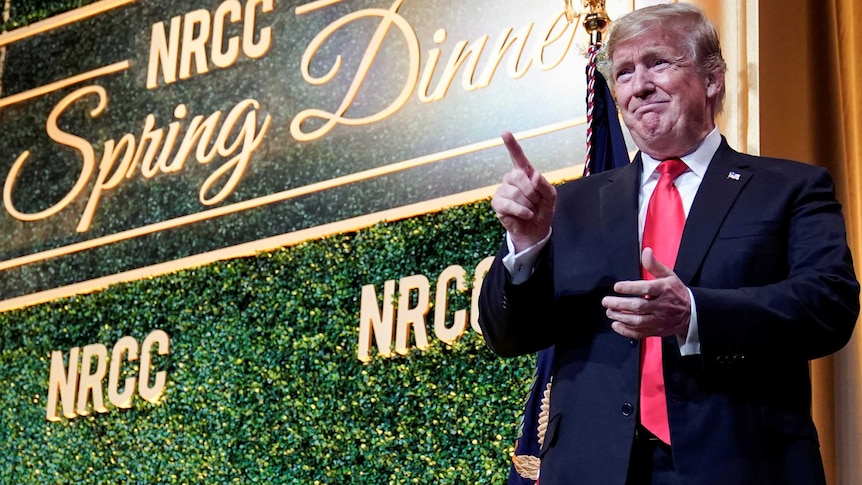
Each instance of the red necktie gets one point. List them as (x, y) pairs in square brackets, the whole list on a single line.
[(665, 220)]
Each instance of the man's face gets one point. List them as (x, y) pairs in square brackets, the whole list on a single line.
[(665, 100)]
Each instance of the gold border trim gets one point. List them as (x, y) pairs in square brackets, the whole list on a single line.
[(312, 6), (48, 88)]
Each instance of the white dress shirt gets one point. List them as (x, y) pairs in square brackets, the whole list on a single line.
[(521, 265)]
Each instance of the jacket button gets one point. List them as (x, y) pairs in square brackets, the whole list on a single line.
[(628, 409), (633, 342)]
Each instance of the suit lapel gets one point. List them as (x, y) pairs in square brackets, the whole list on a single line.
[(727, 174), (619, 219)]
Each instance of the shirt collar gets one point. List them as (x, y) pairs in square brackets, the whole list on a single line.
[(697, 161)]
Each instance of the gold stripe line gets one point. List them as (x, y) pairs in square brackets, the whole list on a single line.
[(279, 196), (311, 6), (273, 243), (102, 71), (60, 20)]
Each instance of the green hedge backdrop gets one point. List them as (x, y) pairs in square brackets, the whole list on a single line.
[(263, 381)]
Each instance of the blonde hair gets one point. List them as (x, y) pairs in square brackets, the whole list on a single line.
[(699, 34)]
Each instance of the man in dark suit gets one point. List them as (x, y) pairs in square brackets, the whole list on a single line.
[(696, 374)]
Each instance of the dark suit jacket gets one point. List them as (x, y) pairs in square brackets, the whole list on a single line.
[(765, 255)]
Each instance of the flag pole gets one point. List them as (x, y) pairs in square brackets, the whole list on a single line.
[(595, 22)]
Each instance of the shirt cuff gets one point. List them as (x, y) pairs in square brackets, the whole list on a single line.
[(691, 344), (521, 265)]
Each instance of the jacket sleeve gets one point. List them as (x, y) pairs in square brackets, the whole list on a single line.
[(517, 319), (798, 300)]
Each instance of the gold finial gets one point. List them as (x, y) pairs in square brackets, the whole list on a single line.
[(596, 21)]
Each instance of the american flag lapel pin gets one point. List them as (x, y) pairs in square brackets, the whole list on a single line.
[(733, 176)]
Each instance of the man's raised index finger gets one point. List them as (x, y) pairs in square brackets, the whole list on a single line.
[(519, 160)]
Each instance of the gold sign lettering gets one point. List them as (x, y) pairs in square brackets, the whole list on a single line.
[(153, 393), (376, 323), (66, 384), (449, 334), (63, 138), (92, 381), (464, 55), (169, 51), (387, 19), (125, 346), (412, 317), (120, 160)]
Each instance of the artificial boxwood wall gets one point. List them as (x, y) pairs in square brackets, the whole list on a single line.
[(264, 385)]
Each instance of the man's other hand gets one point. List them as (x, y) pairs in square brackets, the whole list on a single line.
[(658, 307)]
